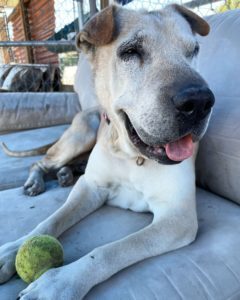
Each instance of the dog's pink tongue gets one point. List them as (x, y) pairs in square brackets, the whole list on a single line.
[(181, 149)]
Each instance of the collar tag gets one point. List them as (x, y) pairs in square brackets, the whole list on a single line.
[(140, 161)]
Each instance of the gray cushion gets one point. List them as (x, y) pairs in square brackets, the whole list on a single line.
[(209, 268), (32, 110), (218, 163), (14, 171)]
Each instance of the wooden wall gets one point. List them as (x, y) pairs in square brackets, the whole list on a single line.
[(35, 20), (4, 37)]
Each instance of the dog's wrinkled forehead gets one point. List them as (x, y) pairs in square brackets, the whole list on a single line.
[(164, 30), (143, 24), (115, 22)]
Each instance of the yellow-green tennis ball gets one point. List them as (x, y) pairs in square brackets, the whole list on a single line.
[(37, 255)]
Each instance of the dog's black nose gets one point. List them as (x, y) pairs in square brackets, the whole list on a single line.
[(194, 102)]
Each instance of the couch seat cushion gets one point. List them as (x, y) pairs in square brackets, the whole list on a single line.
[(209, 268)]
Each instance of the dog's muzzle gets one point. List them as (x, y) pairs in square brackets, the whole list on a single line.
[(170, 153), (192, 106)]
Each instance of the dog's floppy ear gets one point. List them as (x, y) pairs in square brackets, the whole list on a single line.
[(98, 31), (197, 24)]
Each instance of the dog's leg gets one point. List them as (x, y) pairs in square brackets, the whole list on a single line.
[(65, 176), (34, 185), (171, 228), (82, 200), (79, 138), (78, 166)]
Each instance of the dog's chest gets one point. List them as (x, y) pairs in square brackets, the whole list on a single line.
[(126, 196), (139, 188), (133, 187)]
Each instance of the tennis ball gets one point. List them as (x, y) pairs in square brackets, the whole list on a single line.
[(37, 255)]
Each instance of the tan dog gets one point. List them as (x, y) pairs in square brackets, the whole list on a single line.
[(64, 157), (158, 106)]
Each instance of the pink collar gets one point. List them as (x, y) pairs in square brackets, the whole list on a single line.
[(106, 118)]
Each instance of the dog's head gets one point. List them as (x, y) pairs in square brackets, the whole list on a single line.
[(144, 79)]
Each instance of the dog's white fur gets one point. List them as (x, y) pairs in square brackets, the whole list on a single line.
[(112, 175)]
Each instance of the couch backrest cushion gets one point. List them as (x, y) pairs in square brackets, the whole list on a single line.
[(218, 162), (19, 111)]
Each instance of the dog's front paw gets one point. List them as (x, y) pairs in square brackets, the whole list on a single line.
[(60, 283), (34, 186), (8, 254), (65, 177)]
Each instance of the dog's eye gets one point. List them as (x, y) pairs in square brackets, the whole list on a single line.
[(196, 49), (129, 53), (194, 52)]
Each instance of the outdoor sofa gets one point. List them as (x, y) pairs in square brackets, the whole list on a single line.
[(209, 268)]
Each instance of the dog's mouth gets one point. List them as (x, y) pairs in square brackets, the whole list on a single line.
[(171, 153)]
